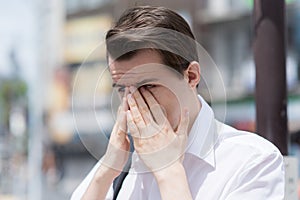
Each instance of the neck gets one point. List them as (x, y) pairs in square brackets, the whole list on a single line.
[(194, 109)]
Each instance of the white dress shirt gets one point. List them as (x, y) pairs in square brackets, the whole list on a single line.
[(220, 163)]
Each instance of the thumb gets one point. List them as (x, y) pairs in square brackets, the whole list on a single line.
[(121, 118), (184, 122)]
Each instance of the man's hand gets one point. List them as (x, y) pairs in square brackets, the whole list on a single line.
[(157, 144), (114, 159), (117, 151)]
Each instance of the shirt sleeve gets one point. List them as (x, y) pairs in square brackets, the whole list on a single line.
[(262, 179), (80, 190)]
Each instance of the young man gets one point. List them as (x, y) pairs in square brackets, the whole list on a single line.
[(181, 151)]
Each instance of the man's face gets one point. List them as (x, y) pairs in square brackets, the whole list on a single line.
[(146, 69)]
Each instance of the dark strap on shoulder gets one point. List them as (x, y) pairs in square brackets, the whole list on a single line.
[(118, 182)]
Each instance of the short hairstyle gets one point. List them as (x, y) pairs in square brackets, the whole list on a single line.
[(138, 28)]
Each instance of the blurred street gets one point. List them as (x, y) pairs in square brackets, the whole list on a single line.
[(75, 169)]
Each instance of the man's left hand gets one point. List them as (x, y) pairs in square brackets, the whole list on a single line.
[(155, 141)]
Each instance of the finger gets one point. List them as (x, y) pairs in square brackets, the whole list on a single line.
[(155, 108), (119, 131), (124, 105), (122, 132), (184, 122), (142, 106), (136, 115), (124, 102), (131, 125), (121, 119)]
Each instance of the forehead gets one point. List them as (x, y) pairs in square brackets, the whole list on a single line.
[(145, 65), (141, 57)]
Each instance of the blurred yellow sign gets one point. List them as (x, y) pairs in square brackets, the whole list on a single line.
[(83, 36)]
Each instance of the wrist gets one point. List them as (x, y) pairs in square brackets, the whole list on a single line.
[(171, 171), (105, 173), (173, 183)]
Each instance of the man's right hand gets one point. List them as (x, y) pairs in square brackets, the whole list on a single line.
[(117, 151), (114, 159)]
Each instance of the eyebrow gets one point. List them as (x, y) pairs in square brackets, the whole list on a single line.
[(137, 84)]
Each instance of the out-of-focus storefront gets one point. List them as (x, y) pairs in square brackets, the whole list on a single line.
[(80, 92), (79, 103), (222, 27)]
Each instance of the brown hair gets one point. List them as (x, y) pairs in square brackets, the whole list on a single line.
[(149, 27)]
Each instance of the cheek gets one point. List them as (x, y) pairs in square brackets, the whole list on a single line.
[(173, 109), (166, 98), (160, 97), (169, 104)]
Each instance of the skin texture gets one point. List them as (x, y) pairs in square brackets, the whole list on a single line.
[(159, 108)]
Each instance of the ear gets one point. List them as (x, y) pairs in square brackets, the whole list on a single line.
[(192, 74)]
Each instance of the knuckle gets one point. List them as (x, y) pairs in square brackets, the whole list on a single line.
[(138, 119)]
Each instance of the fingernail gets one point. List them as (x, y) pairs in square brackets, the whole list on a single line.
[(126, 91), (132, 89)]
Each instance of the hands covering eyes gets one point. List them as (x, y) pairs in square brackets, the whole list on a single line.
[(157, 144), (155, 141)]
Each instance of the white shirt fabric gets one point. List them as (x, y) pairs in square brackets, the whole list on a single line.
[(221, 163)]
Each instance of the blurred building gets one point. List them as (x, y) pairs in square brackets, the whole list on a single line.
[(222, 27), (55, 50), (30, 50)]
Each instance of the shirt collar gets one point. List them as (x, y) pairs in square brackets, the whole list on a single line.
[(202, 136)]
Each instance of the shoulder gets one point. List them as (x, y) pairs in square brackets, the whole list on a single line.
[(257, 164), (242, 140), (246, 150)]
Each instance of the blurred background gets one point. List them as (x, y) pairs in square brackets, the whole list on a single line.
[(43, 44)]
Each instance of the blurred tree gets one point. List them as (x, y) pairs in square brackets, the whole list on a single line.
[(12, 91)]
